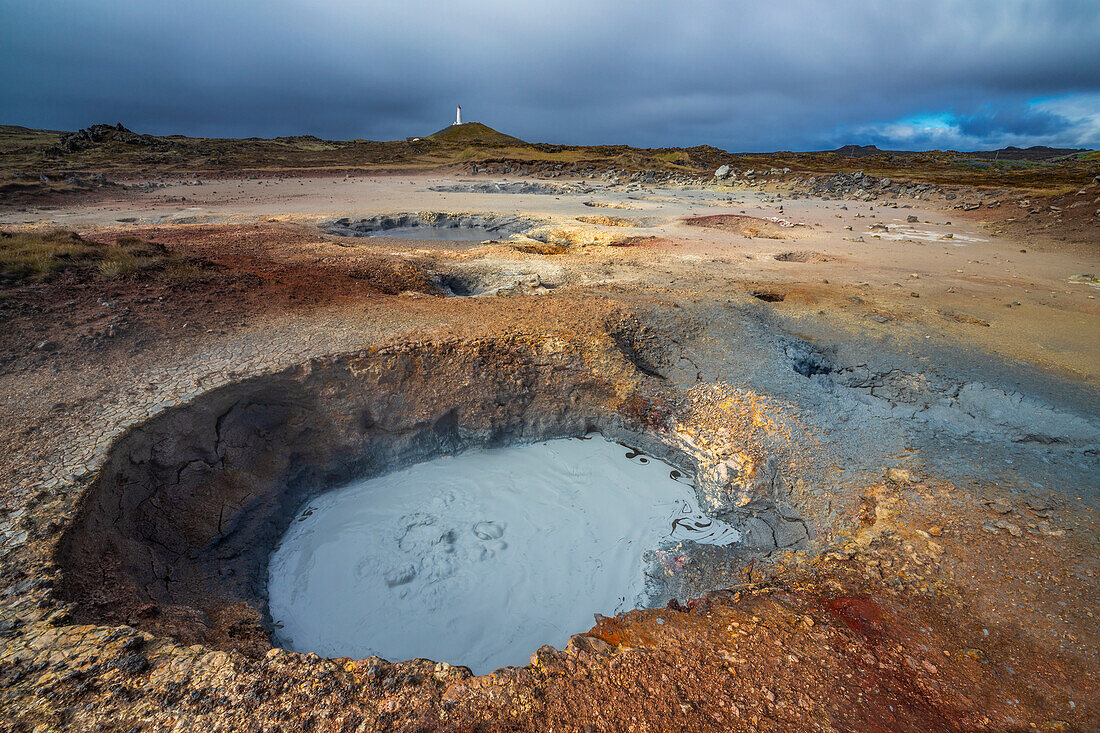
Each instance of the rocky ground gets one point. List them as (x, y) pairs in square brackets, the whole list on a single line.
[(891, 386)]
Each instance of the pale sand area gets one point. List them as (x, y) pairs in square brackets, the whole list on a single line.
[(905, 281)]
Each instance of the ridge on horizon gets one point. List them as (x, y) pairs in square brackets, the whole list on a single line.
[(478, 133)]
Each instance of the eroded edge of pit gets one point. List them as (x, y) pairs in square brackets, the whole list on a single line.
[(502, 225), (174, 534)]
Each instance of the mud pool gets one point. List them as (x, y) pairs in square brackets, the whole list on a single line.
[(444, 234), (432, 225), (479, 559)]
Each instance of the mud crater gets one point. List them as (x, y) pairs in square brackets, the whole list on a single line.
[(514, 187), (472, 281), (175, 534), (433, 225)]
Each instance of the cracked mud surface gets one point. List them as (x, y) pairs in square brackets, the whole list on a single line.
[(915, 476), (432, 225)]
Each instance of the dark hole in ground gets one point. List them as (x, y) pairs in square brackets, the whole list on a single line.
[(491, 281), (810, 365), (806, 360), (769, 296), (460, 285)]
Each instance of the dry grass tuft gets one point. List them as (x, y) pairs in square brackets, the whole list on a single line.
[(35, 256)]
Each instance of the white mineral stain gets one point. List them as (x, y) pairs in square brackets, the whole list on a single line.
[(902, 232), (479, 559)]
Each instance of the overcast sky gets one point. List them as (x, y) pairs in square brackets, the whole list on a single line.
[(744, 76)]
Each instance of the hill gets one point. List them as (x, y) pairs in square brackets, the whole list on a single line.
[(473, 133), (1035, 152), (28, 156), (858, 151)]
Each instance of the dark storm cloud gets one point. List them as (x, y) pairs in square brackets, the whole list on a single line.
[(1013, 122), (744, 76)]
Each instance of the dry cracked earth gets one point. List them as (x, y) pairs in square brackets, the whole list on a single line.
[(895, 396)]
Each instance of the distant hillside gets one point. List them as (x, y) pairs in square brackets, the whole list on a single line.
[(1033, 154), (1036, 152), (44, 160), (858, 151), (474, 133)]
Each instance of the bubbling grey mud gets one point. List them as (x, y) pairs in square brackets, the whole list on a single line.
[(433, 225), (480, 558)]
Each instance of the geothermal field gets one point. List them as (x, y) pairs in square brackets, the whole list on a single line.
[(465, 433)]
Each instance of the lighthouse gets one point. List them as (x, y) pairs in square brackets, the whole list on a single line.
[(458, 115)]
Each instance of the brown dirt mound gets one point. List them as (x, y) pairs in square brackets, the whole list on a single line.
[(608, 221), (166, 281), (803, 255), (540, 248)]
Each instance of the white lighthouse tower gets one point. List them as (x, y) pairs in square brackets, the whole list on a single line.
[(458, 115)]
